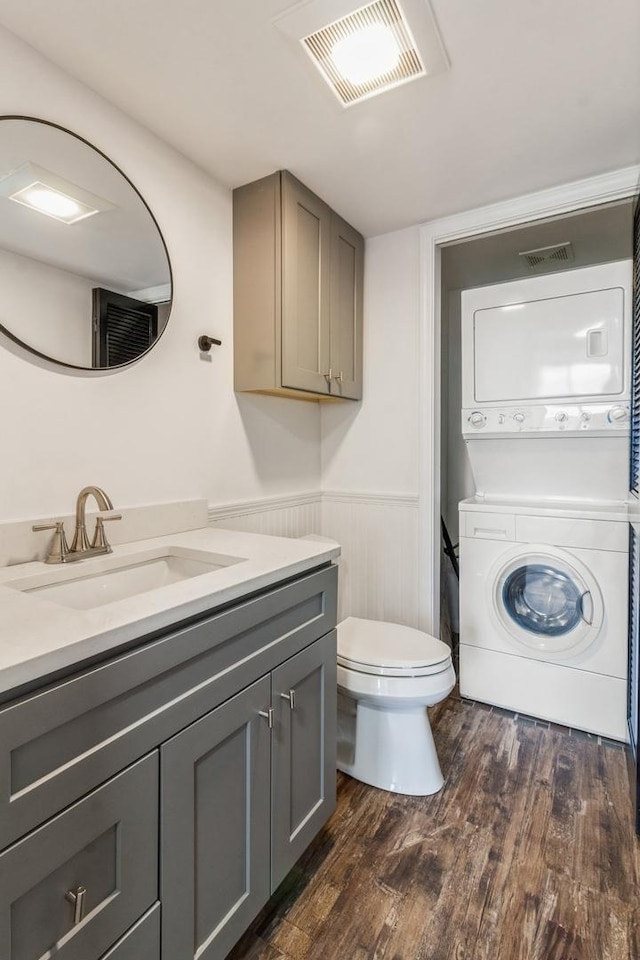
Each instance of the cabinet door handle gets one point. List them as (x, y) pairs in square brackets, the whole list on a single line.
[(339, 377), (291, 697), (76, 898), (268, 715), (329, 375)]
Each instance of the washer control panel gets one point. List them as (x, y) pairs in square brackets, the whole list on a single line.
[(575, 419)]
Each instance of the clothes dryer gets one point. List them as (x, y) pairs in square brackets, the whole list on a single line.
[(543, 611), (545, 384)]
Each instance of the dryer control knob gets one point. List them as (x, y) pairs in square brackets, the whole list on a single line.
[(519, 417), (477, 419), (585, 416), (617, 414), (561, 416)]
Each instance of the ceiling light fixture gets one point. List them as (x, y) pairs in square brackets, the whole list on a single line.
[(367, 54), (41, 190), (341, 42), (38, 196)]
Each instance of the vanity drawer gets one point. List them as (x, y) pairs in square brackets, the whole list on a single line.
[(58, 744), (108, 845), (141, 942)]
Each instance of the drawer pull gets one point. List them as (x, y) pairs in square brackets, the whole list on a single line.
[(268, 715), (76, 898), (291, 697)]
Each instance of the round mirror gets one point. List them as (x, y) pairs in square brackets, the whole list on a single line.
[(85, 278)]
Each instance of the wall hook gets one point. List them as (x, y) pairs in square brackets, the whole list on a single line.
[(205, 343)]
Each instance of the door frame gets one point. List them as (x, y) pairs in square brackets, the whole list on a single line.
[(556, 202)]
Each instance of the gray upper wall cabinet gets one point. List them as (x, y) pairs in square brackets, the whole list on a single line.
[(298, 282)]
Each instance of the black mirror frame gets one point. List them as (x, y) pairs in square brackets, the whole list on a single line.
[(72, 366)]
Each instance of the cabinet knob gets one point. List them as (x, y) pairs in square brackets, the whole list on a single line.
[(76, 899), (291, 697)]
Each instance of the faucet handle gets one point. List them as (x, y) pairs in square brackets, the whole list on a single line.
[(59, 550), (99, 540)]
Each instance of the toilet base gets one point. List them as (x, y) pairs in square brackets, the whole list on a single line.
[(393, 749)]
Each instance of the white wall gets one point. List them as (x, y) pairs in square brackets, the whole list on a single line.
[(370, 449), (373, 446), (169, 427)]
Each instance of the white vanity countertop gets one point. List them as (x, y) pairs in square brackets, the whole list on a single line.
[(39, 637)]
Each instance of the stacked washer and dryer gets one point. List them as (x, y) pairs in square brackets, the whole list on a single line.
[(544, 541)]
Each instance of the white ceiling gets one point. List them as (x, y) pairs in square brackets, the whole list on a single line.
[(540, 92)]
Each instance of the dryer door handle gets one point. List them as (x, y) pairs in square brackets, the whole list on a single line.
[(587, 620)]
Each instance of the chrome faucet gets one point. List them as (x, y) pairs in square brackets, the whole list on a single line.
[(80, 547)]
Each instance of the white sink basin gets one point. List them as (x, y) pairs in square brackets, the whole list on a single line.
[(110, 579)]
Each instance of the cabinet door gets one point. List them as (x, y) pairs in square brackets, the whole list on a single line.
[(306, 267), (347, 280), (215, 827), (304, 751)]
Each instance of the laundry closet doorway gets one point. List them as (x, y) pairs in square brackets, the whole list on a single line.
[(598, 235), (435, 237)]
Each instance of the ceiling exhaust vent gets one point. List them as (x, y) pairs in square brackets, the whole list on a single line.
[(364, 48), (558, 253), (402, 62)]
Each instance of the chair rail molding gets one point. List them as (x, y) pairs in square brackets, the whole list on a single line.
[(568, 198)]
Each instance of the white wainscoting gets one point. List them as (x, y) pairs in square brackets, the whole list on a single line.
[(379, 562), (277, 516), (379, 538)]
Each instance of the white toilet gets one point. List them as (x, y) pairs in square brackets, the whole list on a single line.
[(388, 675)]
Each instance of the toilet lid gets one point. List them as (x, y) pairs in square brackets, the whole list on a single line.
[(389, 649)]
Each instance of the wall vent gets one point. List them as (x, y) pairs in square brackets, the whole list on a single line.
[(558, 253)]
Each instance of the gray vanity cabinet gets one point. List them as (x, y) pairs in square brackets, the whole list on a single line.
[(107, 845), (191, 769), (303, 752), (298, 285), (141, 941), (245, 789), (215, 827)]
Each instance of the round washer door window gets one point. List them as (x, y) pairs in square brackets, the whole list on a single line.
[(548, 604)]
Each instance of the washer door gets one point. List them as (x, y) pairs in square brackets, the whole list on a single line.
[(548, 602)]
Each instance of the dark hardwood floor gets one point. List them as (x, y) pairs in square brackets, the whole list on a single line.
[(528, 853)]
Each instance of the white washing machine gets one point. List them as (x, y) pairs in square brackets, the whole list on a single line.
[(543, 610)]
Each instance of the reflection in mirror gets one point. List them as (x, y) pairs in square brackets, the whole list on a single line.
[(85, 278)]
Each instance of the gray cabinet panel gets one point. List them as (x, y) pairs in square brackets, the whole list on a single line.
[(257, 284), (298, 287), (59, 743), (304, 751), (215, 827), (141, 942), (106, 843), (306, 238), (347, 272)]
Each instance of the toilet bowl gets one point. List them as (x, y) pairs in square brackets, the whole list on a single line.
[(388, 675)]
